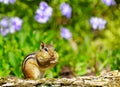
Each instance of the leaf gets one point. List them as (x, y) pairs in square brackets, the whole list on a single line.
[(11, 58)]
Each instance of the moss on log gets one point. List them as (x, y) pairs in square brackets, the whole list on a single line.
[(110, 79)]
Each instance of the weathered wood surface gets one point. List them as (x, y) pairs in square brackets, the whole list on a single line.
[(110, 79)]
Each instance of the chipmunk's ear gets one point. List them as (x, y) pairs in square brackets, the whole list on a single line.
[(42, 45)]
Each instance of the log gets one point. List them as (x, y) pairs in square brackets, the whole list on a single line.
[(110, 79)]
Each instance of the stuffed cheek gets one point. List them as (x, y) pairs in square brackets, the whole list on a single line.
[(56, 55), (46, 56)]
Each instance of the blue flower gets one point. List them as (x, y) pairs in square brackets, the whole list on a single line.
[(8, 1), (43, 13), (66, 10), (65, 33), (97, 23), (10, 25), (109, 2)]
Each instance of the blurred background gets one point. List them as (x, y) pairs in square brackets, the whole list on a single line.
[(85, 33)]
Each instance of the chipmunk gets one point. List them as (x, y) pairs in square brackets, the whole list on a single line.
[(36, 63)]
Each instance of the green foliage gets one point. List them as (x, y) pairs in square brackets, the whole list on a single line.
[(96, 50)]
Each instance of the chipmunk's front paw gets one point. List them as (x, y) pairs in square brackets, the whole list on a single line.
[(54, 61)]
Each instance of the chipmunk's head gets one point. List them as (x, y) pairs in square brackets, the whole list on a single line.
[(47, 53)]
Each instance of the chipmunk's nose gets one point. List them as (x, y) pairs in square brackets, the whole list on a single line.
[(52, 56)]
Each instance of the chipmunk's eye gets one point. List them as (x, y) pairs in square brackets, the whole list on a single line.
[(46, 49)]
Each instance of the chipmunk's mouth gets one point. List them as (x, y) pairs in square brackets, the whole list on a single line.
[(52, 60)]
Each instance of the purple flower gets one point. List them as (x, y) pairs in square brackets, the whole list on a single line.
[(97, 23), (8, 1), (66, 10), (4, 22), (10, 25), (43, 5), (12, 1), (1, 0), (5, 1), (16, 23), (65, 33), (4, 32), (109, 2), (43, 13)]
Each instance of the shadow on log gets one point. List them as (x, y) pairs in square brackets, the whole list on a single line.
[(110, 79)]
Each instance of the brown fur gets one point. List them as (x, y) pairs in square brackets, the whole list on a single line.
[(35, 64)]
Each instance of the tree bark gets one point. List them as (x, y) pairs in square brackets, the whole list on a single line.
[(110, 79)]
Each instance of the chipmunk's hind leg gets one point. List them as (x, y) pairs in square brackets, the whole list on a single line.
[(31, 70)]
